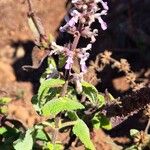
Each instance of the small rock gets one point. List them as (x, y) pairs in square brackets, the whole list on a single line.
[(20, 52)]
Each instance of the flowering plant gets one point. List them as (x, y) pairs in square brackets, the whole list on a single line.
[(84, 97), (65, 100)]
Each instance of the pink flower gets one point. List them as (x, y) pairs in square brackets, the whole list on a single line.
[(72, 21), (103, 12), (104, 4), (83, 58), (74, 1), (69, 61), (83, 55), (103, 24)]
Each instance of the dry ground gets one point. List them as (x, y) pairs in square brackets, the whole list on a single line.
[(14, 32)]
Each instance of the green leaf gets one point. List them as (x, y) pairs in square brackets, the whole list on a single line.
[(35, 103), (71, 93), (49, 70), (133, 132), (50, 146), (40, 135), (51, 62), (3, 109), (52, 93), (62, 61), (2, 130), (4, 100), (72, 115), (58, 147), (101, 100), (26, 143), (10, 134), (46, 85), (90, 91), (96, 122), (133, 147), (56, 105), (81, 130), (92, 94), (100, 121)]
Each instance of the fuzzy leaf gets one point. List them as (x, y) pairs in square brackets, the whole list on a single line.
[(26, 143), (72, 115), (57, 105), (100, 121), (62, 61), (101, 100), (2, 130), (46, 85), (35, 103), (49, 70), (92, 94), (81, 130), (40, 135), (90, 91), (52, 62)]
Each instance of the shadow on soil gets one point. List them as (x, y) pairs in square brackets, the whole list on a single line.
[(32, 76)]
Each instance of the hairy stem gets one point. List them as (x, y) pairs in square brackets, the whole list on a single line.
[(30, 5), (66, 124), (73, 47), (36, 21), (54, 136), (64, 89)]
